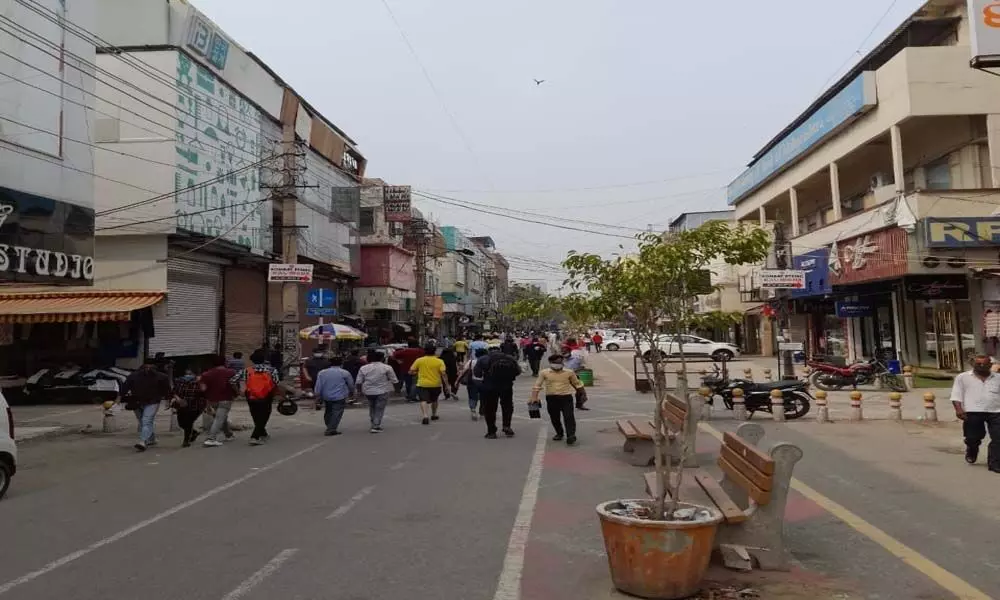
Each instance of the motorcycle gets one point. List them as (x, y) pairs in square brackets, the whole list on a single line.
[(73, 384), (830, 377), (757, 396)]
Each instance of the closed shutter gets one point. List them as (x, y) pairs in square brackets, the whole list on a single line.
[(245, 303), (191, 324)]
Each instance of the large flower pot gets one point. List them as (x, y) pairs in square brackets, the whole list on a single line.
[(658, 559)]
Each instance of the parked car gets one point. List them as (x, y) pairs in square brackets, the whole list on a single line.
[(669, 345), (8, 447), (621, 342)]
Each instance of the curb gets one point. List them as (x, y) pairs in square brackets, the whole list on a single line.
[(62, 431)]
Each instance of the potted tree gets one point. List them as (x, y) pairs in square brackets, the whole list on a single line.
[(661, 548)]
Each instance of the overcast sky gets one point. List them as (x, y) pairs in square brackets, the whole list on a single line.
[(656, 104)]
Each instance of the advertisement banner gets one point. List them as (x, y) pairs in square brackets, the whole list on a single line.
[(782, 279), (847, 310), (879, 255), (962, 232), (287, 273), (984, 23), (815, 264), (397, 203)]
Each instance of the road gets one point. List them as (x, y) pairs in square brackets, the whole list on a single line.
[(429, 512)]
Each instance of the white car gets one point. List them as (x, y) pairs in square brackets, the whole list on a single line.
[(621, 342), (669, 346), (8, 447)]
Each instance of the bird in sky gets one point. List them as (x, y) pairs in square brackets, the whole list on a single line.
[(538, 81)]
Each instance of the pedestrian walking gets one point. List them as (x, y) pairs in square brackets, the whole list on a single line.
[(236, 362), (219, 395), (258, 383), (976, 398), (478, 343), (334, 386), (588, 341), (467, 378), (509, 347), (497, 372), (461, 349), (561, 387), (432, 377), (406, 357), (189, 402), (143, 391), (598, 339), (535, 352), (375, 381), (311, 369), (450, 367)]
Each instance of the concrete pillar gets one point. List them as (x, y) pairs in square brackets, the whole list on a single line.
[(930, 409), (896, 406), (767, 375), (822, 410), (108, 423), (739, 405), (976, 304), (896, 139), (706, 408), (778, 406), (856, 411), (908, 377), (993, 139), (748, 374), (763, 217), (793, 201), (835, 191)]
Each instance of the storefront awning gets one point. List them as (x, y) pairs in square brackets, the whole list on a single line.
[(73, 307)]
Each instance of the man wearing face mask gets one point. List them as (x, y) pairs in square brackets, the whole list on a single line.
[(976, 398), (560, 385), (314, 364)]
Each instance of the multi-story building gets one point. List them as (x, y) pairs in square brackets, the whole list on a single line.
[(887, 186), (495, 276), (188, 199), (462, 283)]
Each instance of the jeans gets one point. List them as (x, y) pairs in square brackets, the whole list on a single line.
[(221, 421), (333, 413), (975, 426), (260, 412), (561, 411), (410, 388), (146, 417), (474, 393), (504, 397), (376, 408)]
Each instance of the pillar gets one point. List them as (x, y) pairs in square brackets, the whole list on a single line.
[(793, 201), (897, 158), (763, 217), (993, 139), (835, 191), (976, 304)]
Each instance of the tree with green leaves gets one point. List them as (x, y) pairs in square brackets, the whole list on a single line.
[(655, 287)]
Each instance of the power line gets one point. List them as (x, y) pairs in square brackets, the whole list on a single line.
[(591, 188)]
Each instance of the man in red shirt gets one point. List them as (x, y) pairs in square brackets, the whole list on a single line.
[(598, 339), (406, 357), (219, 394)]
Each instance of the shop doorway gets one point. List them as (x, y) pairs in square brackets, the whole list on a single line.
[(878, 332)]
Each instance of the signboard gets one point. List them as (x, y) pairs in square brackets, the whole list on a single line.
[(397, 203), (815, 265), (962, 232), (937, 287), (857, 98), (791, 346), (848, 310), (879, 255), (782, 279), (984, 20), (321, 302), (372, 195), (207, 41), (285, 273), (45, 241)]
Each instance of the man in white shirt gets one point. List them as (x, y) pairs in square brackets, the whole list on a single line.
[(376, 380), (976, 398)]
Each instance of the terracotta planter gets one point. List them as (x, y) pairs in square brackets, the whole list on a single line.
[(658, 559)]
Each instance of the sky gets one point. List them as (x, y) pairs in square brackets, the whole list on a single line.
[(648, 109)]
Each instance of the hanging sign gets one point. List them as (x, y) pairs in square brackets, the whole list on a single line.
[(287, 273), (848, 310), (397, 203), (782, 279)]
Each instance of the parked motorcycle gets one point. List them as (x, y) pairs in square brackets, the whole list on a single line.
[(757, 396), (72, 384), (830, 377)]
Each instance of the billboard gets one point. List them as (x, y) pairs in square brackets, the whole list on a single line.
[(984, 22), (397, 203)]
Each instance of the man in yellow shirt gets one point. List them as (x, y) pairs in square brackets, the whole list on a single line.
[(432, 377), (461, 349), (560, 385)]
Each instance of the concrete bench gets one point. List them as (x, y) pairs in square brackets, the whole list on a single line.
[(751, 495), (639, 441)]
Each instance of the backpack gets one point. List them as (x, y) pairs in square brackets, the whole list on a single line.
[(259, 384), (502, 369)]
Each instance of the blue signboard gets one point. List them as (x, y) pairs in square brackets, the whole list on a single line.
[(321, 302), (847, 310), (816, 264), (859, 96)]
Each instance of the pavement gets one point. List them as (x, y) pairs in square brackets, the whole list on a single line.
[(880, 510)]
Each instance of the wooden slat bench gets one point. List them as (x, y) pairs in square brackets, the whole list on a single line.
[(639, 441), (675, 413), (752, 495)]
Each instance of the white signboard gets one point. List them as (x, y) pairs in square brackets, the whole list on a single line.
[(282, 273), (791, 346), (984, 19), (782, 279)]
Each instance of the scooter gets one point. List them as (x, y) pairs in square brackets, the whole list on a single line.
[(757, 396)]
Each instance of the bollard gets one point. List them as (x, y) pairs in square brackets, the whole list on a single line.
[(767, 375), (930, 411), (908, 377), (777, 405), (896, 406), (706, 410), (739, 405), (108, 424), (748, 374), (174, 425), (822, 410), (856, 412)]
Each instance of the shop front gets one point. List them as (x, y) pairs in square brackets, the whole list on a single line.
[(245, 310), (190, 325), (814, 321), (939, 307)]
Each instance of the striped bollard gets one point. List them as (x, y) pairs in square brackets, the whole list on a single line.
[(856, 412), (739, 405), (930, 410), (778, 405), (767, 375), (748, 374), (822, 410), (706, 409), (896, 406), (108, 424), (908, 377)]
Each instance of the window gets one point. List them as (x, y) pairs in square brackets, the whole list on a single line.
[(367, 226), (938, 174)]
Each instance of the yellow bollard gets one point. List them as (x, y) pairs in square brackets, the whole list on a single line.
[(767, 375), (108, 423), (822, 410), (706, 410), (856, 411), (896, 406), (908, 377), (739, 405), (778, 405), (930, 410), (748, 374)]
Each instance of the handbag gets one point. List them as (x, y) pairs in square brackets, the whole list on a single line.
[(535, 409)]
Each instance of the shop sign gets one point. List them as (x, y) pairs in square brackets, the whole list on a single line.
[(984, 16), (782, 279), (205, 40), (962, 232), (937, 287), (289, 273), (868, 257), (44, 240), (397, 203), (848, 310), (815, 264)]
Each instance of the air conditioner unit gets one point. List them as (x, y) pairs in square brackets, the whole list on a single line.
[(878, 180)]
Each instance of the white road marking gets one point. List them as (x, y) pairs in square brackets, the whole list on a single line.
[(404, 462), (266, 571), (436, 436), (65, 560), (344, 508), (509, 585), (52, 416)]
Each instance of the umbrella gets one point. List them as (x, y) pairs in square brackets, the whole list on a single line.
[(331, 331)]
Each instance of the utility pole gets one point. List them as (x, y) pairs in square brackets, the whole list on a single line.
[(782, 252), (288, 197), (417, 237)]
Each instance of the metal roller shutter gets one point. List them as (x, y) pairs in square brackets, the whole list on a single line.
[(191, 324), (245, 307)]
